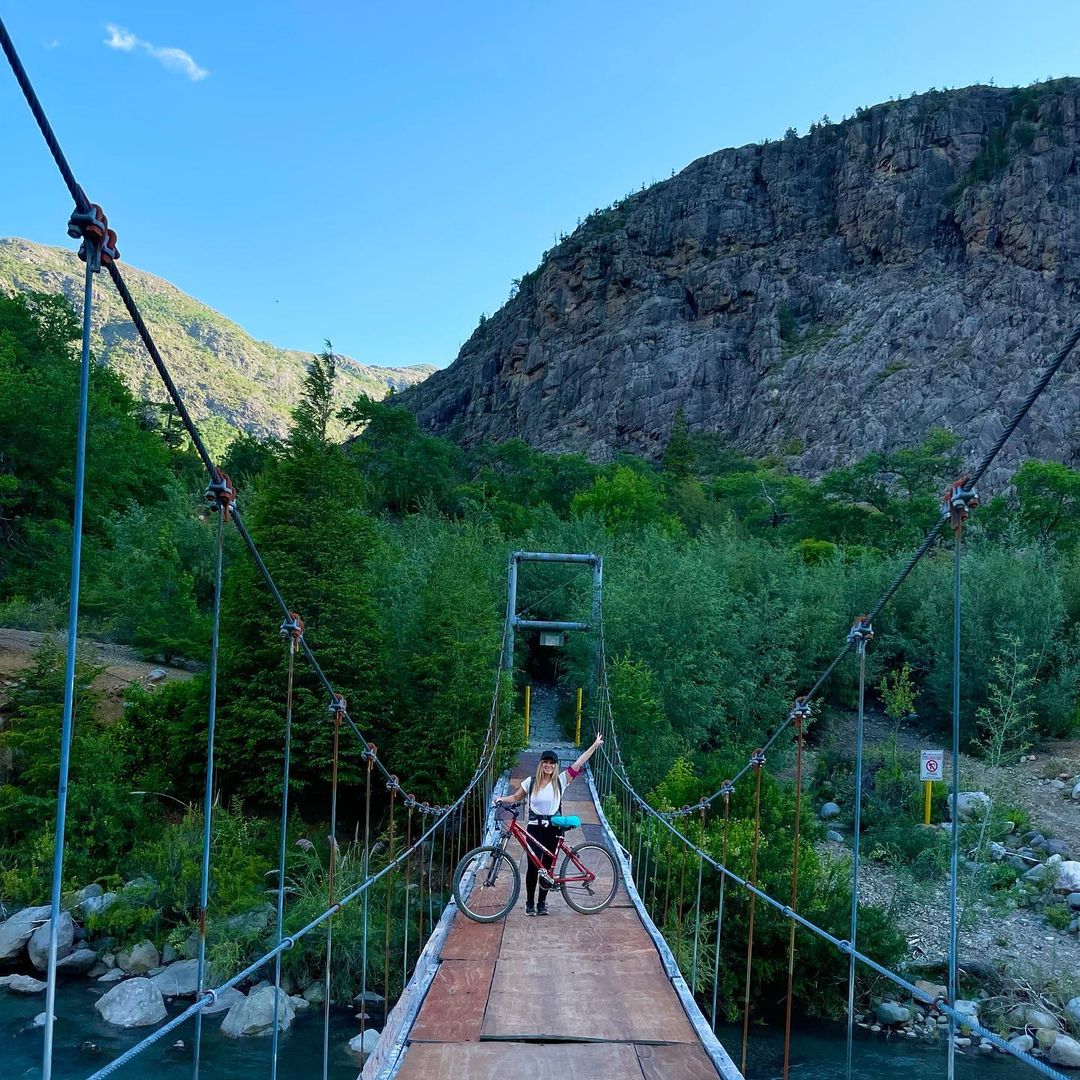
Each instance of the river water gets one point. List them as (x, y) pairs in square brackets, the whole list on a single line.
[(85, 1043)]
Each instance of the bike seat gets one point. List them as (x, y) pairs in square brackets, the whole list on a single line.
[(566, 821)]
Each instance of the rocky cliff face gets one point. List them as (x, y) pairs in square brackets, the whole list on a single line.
[(822, 297)]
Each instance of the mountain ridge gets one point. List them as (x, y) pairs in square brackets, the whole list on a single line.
[(820, 298), (222, 371)]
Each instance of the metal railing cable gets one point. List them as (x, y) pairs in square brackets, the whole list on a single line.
[(844, 946)]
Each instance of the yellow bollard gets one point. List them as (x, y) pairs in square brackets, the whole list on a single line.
[(577, 719), (528, 700), (927, 785)]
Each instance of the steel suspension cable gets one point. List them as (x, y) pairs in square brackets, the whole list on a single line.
[(221, 493), (932, 534), (67, 727), (291, 631), (82, 204)]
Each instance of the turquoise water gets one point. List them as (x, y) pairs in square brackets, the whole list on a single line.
[(820, 1053), (84, 1043)]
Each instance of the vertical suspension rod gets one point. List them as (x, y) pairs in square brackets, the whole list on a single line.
[(758, 762), (794, 889), (292, 645), (338, 707), (208, 794), (853, 932), (68, 722)]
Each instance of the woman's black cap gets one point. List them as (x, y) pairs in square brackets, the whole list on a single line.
[(550, 755)]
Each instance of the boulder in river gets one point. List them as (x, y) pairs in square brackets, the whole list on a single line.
[(78, 962), (140, 958), (15, 931), (889, 1012), (132, 1003), (1030, 1016), (1065, 1052), (255, 1014), (179, 979), (22, 984), (38, 945)]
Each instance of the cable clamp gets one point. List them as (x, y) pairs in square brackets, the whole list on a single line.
[(800, 712), (861, 633), (392, 784), (410, 801), (220, 493), (293, 628), (370, 752), (757, 758), (958, 502), (338, 706), (727, 789), (98, 247), (210, 997)]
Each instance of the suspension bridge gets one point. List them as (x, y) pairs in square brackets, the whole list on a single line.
[(474, 999)]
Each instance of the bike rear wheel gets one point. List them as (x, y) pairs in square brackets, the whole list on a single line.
[(486, 884), (598, 893)]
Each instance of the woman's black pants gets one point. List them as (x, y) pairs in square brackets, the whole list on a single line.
[(548, 835)]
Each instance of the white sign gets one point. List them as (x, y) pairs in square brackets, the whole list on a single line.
[(931, 764)]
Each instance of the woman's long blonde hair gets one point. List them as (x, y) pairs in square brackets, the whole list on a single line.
[(536, 784)]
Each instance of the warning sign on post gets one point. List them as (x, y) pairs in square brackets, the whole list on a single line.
[(931, 764)]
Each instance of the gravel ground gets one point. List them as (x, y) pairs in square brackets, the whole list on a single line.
[(1019, 943)]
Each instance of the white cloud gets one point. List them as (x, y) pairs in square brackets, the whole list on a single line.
[(170, 58)]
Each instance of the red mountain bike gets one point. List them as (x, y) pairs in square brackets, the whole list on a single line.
[(487, 881)]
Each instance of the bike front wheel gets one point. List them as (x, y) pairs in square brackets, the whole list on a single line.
[(595, 895), (486, 884)]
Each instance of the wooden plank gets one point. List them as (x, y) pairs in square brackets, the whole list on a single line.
[(470, 940), (454, 1007), (599, 1004), (615, 934), (537, 1061), (676, 1061)]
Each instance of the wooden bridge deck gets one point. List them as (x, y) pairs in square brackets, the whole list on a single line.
[(565, 995)]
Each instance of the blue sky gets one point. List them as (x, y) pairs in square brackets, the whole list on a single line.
[(378, 173)]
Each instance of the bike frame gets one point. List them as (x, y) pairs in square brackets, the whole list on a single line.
[(529, 843)]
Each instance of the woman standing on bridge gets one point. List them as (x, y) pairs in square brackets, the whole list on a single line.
[(545, 791)]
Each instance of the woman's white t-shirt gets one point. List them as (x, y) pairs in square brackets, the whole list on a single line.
[(546, 801)]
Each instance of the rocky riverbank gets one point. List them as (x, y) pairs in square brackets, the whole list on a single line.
[(135, 986)]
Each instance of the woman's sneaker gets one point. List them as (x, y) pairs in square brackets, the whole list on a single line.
[(541, 908), (530, 908)]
